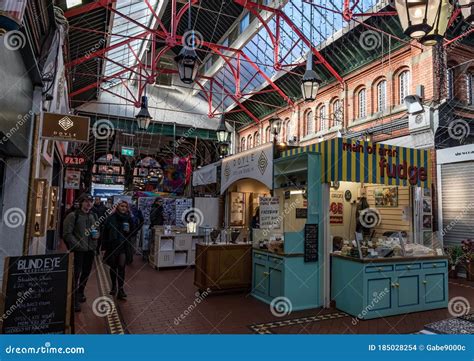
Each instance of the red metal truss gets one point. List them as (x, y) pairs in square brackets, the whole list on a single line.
[(253, 7), (86, 8)]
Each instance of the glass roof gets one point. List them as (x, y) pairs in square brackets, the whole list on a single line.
[(125, 55), (323, 24)]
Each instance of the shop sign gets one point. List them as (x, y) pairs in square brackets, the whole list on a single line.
[(336, 208), (65, 127), (269, 212), (128, 151), (301, 213), (37, 295), (74, 161), (256, 163), (72, 179)]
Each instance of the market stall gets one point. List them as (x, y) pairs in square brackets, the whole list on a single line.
[(353, 226)]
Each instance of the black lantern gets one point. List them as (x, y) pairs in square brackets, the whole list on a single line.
[(275, 126), (440, 24), (311, 81), (143, 117), (467, 10), (223, 149), (187, 60), (222, 133), (417, 16)]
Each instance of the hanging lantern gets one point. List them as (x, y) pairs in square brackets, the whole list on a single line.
[(417, 16), (143, 117), (11, 14), (440, 24), (223, 149), (222, 133), (188, 64), (311, 81), (467, 10), (275, 126)]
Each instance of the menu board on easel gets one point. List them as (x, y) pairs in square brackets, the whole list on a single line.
[(36, 295), (311, 238)]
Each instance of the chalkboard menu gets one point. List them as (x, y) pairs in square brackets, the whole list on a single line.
[(37, 294), (311, 242), (301, 213)]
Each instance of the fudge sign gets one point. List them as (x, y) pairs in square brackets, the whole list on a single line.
[(37, 294)]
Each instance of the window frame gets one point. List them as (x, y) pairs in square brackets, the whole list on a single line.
[(403, 89), (381, 101), (361, 108)]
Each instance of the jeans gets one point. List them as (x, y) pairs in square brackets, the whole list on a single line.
[(83, 261), (117, 271)]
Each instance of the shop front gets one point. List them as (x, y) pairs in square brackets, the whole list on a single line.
[(223, 261), (353, 226)]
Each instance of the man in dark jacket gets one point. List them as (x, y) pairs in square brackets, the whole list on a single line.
[(81, 234)]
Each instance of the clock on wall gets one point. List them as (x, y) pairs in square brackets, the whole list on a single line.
[(348, 195)]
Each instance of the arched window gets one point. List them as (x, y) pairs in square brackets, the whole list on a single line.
[(242, 144), (381, 95), (403, 85), (288, 130), (309, 123), (450, 83), (322, 118), (249, 142), (256, 138), (267, 134), (470, 87), (361, 104), (337, 112)]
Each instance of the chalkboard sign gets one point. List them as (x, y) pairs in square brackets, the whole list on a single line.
[(301, 213), (37, 294), (311, 238)]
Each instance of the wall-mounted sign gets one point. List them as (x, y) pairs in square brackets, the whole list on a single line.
[(65, 127), (72, 179), (269, 212), (37, 294), (301, 213), (336, 208), (128, 151), (311, 239), (74, 160), (256, 163)]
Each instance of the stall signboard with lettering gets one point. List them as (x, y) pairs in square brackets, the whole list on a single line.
[(269, 212), (72, 179), (255, 163), (77, 161), (37, 294), (65, 127), (336, 207)]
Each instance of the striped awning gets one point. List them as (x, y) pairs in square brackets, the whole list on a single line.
[(359, 161)]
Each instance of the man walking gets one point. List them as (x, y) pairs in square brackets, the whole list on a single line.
[(81, 235)]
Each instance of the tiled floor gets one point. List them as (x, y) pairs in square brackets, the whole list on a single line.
[(165, 301)]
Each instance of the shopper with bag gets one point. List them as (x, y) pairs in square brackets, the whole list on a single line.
[(118, 244), (81, 235)]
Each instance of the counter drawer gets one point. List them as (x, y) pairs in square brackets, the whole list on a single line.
[(381, 268), (407, 267), (166, 259), (260, 256), (435, 264), (275, 261), (182, 242)]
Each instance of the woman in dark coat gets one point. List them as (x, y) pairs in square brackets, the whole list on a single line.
[(118, 239)]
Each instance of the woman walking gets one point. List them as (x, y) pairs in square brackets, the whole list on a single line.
[(118, 244)]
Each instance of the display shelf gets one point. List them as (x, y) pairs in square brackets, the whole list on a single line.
[(166, 244), (180, 258), (175, 250)]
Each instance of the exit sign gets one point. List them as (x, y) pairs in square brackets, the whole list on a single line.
[(128, 151)]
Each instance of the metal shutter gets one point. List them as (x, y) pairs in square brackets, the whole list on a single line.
[(457, 201)]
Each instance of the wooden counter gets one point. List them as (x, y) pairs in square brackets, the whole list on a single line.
[(222, 267), (390, 259)]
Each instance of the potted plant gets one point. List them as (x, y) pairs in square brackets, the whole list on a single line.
[(455, 255), (468, 258)]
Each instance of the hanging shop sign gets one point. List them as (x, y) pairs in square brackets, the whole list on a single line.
[(255, 163), (269, 212), (128, 151), (77, 161), (72, 179), (336, 208), (65, 127), (37, 294), (205, 175), (359, 161)]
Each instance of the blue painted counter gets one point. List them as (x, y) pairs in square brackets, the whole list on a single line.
[(370, 289), (276, 275)]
